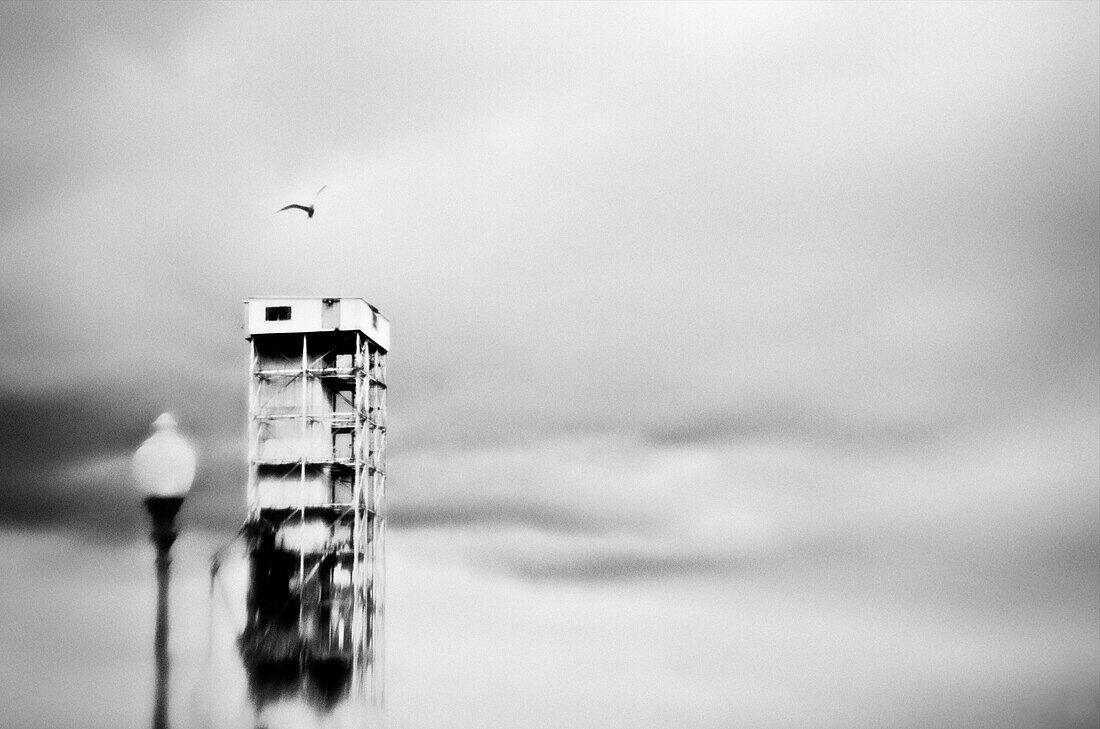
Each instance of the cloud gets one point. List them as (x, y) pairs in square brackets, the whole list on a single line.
[(833, 251), (66, 459), (760, 508), (770, 421)]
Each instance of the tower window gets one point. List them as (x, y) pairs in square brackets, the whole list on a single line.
[(277, 313)]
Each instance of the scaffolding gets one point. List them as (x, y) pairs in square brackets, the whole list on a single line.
[(316, 499)]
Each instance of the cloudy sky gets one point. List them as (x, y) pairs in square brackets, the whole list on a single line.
[(745, 362)]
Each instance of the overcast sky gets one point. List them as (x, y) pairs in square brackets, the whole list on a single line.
[(745, 357)]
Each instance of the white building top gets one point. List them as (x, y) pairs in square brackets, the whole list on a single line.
[(300, 314)]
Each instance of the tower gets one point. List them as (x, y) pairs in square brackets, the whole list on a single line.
[(316, 494)]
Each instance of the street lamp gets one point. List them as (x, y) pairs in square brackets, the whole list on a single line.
[(164, 467)]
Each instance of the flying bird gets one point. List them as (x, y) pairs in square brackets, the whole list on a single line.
[(308, 210)]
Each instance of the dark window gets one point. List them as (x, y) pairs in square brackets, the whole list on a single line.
[(277, 313)]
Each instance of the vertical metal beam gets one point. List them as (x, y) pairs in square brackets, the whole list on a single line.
[(302, 489), (253, 430), (379, 567), (357, 526)]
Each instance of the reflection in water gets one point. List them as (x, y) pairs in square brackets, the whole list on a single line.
[(264, 671), (301, 608)]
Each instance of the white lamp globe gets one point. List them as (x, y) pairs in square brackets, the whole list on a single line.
[(164, 465)]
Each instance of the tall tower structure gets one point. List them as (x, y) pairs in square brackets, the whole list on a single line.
[(316, 500)]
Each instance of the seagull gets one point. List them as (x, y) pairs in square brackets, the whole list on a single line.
[(308, 210)]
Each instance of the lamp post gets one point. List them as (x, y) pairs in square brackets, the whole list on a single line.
[(164, 467)]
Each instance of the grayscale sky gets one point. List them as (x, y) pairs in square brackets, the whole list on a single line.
[(746, 362)]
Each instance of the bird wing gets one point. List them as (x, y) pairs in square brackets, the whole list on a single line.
[(319, 192), (293, 205)]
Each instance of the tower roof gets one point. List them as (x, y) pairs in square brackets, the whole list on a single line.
[(303, 314)]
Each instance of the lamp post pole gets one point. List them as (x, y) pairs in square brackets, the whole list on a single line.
[(162, 510), (164, 467)]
